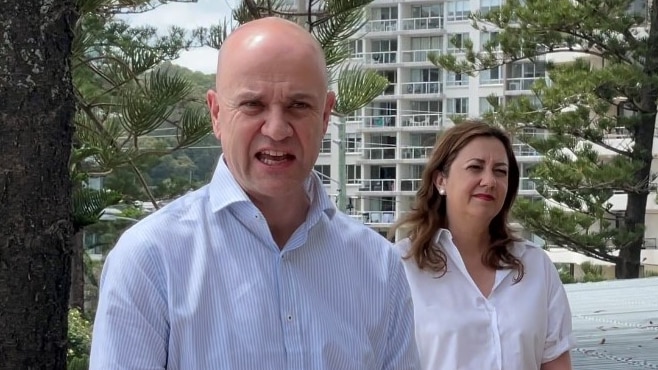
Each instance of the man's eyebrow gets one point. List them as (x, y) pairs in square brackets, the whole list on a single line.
[(303, 96), (248, 95)]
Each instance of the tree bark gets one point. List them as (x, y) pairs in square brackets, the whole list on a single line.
[(36, 114), (77, 297), (628, 266)]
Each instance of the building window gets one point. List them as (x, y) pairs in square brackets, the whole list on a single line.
[(488, 5), (384, 13), (487, 38), (458, 11), (457, 79), (356, 48), (353, 174), (491, 76), (486, 107), (458, 106), (354, 143), (457, 43), (425, 107), (426, 11), (326, 144), (324, 172), (427, 43)]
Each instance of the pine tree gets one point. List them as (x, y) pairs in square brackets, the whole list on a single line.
[(578, 106)]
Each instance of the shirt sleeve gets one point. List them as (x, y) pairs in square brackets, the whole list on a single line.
[(401, 350), (131, 327), (559, 337)]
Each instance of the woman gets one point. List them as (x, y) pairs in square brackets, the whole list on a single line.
[(483, 299)]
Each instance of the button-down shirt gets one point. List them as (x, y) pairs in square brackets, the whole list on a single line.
[(201, 284), (517, 327)]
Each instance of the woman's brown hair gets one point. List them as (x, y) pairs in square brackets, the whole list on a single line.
[(428, 214)]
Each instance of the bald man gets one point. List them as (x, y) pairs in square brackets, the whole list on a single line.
[(257, 269)]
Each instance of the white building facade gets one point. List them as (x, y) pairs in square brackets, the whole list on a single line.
[(389, 141)]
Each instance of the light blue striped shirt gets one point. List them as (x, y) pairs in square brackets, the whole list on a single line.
[(201, 284)]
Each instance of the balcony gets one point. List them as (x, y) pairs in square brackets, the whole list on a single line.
[(525, 152), (427, 23), (416, 56), (410, 184), (422, 120), (521, 84), (379, 217), (381, 25), (527, 185), (376, 122), (380, 57), (377, 185), (418, 88), (416, 152), (379, 153)]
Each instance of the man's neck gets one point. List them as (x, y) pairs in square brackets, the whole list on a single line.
[(284, 215)]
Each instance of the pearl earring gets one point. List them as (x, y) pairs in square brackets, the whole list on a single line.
[(442, 191)]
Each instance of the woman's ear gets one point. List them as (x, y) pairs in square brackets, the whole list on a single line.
[(439, 181)]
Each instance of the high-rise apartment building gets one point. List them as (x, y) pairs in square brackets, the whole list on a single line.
[(388, 142)]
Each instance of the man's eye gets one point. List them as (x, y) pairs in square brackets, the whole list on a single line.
[(300, 105)]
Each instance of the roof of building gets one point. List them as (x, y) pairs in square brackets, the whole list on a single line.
[(562, 255), (615, 324)]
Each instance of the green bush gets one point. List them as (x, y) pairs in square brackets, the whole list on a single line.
[(592, 272), (79, 340)]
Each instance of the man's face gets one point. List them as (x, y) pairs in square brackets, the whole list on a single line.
[(270, 113)]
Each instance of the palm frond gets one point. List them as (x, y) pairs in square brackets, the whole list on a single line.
[(357, 87), (88, 205)]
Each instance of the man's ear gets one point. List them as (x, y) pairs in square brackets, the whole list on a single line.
[(328, 107), (213, 107)]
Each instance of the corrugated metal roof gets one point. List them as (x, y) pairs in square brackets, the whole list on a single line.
[(615, 324)]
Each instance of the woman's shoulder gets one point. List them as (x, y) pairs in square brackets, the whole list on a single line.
[(531, 254)]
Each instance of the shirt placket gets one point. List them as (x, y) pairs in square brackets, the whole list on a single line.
[(290, 313)]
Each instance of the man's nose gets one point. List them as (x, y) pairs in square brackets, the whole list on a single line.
[(276, 126)]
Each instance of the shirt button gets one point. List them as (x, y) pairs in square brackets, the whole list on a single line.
[(289, 317)]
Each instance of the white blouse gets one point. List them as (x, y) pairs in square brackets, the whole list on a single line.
[(518, 327)]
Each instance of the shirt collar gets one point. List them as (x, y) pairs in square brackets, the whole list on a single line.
[(225, 191), (444, 237)]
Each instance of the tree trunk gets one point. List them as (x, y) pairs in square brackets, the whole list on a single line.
[(77, 298), (36, 113), (628, 266)]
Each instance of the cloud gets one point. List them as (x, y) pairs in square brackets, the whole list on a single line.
[(201, 59), (203, 13)]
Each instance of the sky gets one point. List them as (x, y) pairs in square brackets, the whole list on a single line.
[(190, 16)]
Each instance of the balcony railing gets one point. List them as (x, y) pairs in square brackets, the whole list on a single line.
[(379, 217), (421, 120), (527, 184), (521, 84), (378, 121), (416, 152), (524, 150), (379, 153), (410, 184), (381, 25), (377, 185), (416, 56), (426, 23), (380, 57), (421, 87)]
